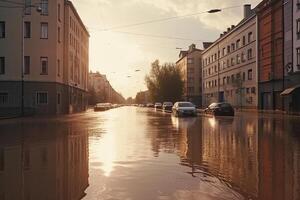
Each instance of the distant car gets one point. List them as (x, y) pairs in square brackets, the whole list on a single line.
[(220, 109), (102, 106), (158, 106), (184, 109), (150, 105), (167, 106)]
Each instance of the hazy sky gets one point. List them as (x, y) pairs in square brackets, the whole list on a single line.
[(118, 53)]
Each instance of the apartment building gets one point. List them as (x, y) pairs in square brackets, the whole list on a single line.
[(103, 90), (229, 65), (52, 76), (270, 56), (190, 65), (291, 94)]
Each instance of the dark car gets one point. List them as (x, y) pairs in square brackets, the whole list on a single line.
[(220, 109), (167, 106)]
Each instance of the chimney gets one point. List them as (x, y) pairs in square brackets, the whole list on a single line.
[(224, 33), (228, 30), (232, 27), (221, 35), (192, 47), (247, 10)]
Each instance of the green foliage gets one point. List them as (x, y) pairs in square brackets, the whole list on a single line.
[(164, 82)]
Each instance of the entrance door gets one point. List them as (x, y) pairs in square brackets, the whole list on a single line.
[(266, 101)]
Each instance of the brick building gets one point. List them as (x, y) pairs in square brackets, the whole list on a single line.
[(270, 54)]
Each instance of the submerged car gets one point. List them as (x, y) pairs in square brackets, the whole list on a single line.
[(167, 106), (102, 106), (220, 109), (184, 109)]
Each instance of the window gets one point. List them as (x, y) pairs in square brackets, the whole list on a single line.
[(238, 59), (27, 7), (298, 56), (244, 40), (58, 98), (44, 65), (249, 54), (27, 30), (42, 98), (58, 68), (232, 61), (298, 4), (243, 57), (232, 47), (44, 6), (58, 12), (298, 29), (238, 44), (253, 90), (1, 160), (250, 74), (224, 51), (2, 65), (2, 29), (228, 49), (3, 98), (44, 30), (26, 159), (244, 76), (58, 34), (190, 60), (27, 65), (232, 78), (250, 37)]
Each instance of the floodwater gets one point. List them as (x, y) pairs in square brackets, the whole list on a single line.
[(138, 154)]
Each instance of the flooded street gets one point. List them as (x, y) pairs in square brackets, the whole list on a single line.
[(138, 154)]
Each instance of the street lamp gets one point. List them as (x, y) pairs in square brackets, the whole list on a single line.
[(39, 10)]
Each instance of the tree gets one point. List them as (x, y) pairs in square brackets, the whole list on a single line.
[(164, 82)]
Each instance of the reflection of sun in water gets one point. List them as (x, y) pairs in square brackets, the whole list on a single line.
[(212, 122), (108, 154)]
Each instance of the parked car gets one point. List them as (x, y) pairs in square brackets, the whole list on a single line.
[(150, 105), (184, 109), (220, 109), (102, 106), (158, 106), (167, 106)]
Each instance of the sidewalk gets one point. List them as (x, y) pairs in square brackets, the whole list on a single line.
[(261, 111)]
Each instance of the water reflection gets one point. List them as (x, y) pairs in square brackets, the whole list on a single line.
[(43, 160), (258, 157), (135, 153)]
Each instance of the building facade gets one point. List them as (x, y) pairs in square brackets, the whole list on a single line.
[(229, 65), (104, 92), (52, 76), (270, 54), (190, 65), (291, 94)]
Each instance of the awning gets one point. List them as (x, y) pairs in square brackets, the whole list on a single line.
[(290, 90)]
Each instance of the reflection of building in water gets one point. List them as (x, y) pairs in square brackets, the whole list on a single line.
[(41, 162), (279, 158), (257, 156)]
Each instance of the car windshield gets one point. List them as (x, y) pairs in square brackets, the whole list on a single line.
[(225, 105), (187, 104)]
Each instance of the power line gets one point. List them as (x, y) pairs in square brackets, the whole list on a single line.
[(12, 2), (167, 18), (157, 36)]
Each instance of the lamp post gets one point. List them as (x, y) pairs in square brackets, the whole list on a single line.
[(39, 10)]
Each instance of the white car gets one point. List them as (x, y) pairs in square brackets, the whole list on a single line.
[(184, 109)]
